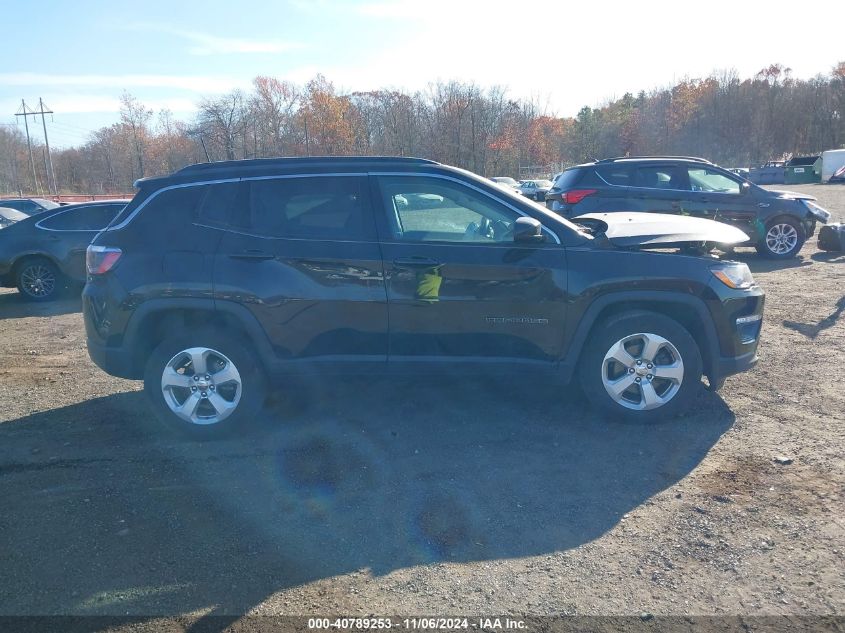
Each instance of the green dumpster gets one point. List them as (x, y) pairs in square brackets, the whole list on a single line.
[(803, 169)]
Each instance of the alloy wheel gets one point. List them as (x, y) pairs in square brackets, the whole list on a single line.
[(38, 281), (201, 386), (642, 371), (781, 238)]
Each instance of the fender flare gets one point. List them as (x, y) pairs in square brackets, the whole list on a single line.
[(251, 327), (599, 304)]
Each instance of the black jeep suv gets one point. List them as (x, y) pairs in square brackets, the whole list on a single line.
[(777, 222), (222, 275)]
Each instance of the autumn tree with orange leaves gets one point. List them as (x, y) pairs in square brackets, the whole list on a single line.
[(723, 117)]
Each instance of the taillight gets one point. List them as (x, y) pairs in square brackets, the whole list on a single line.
[(101, 259), (577, 195)]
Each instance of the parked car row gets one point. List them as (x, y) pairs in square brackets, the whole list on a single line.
[(534, 189), (43, 252), (29, 206)]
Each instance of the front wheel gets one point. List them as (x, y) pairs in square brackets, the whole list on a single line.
[(783, 239), (641, 366), (204, 384)]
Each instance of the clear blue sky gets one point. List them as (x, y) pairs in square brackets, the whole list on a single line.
[(80, 56)]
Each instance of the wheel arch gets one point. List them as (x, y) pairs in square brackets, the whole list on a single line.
[(154, 320), (24, 257), (689, 311), (780, 216)]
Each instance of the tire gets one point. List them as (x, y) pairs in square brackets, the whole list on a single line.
[(38, 279), (783, 239), (225, 403), (625, 336)]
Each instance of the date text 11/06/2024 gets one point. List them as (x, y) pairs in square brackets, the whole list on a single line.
[(416, 623)]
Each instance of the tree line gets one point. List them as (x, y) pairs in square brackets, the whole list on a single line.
[(724, 118)]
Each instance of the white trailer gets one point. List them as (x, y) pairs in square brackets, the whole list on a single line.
[(832, 160)]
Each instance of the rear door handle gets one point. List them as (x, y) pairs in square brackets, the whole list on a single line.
[(252, 256), (415, 262)]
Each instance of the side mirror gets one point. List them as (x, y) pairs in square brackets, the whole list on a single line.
[(745, 188), (527, 229)]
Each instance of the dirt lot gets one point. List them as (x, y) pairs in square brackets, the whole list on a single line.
[(418, 497)]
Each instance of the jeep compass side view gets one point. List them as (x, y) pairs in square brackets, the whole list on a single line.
[(221, 277)]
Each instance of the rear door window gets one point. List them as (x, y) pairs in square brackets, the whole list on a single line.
[(328, 208), (659, 177)]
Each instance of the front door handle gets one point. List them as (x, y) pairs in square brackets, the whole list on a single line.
[(252, 256), (415, 262)]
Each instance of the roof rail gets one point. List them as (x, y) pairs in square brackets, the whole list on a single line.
[(307, 160), (696, 159)]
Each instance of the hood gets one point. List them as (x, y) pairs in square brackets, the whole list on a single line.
[(649, 229), (790, 195)]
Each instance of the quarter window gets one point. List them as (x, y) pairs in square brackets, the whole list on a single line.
[(170, 211), (332, 208), (93, 218), (618, 175), (424, 209), (218, 202)]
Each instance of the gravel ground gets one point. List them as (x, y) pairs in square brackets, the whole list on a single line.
[(432, 497)]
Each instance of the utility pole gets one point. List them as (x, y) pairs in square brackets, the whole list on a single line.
[(24, 111), (207, 157), (51, 175)]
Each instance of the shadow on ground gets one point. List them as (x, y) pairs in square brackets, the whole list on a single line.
[(14, 306), (825, 256), (760, 264), (105, 514), (812, 330)]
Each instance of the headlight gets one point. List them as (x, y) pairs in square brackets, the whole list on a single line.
[(816, 211), (734, 275)]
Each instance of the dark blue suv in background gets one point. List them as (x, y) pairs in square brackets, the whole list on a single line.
[(777, 222)]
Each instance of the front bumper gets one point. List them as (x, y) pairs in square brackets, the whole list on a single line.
[(736, 364), (729, 366)]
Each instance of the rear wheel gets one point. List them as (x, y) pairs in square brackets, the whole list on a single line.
[(38, 279), (783, 239), (641, 366), (204, 384)]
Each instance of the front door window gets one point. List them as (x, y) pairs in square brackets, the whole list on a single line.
[(424, 209), (711, 181)]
